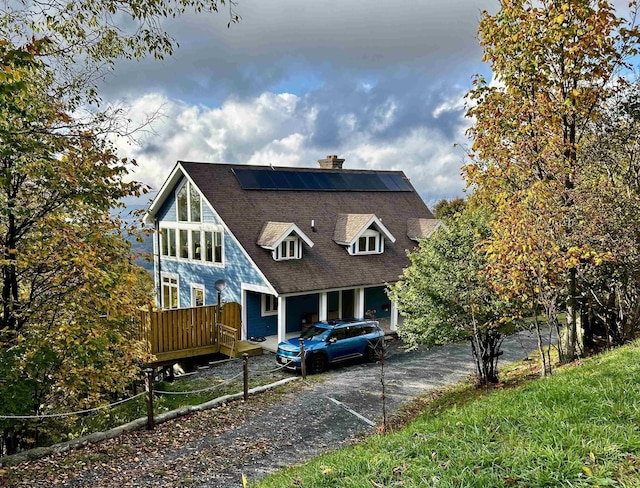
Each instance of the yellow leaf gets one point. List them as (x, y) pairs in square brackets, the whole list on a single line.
[(592, 456), (326, 470), (559, 19), (244, 481), (587, 470)]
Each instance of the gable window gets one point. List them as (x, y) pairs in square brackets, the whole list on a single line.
[(370, 242), (290, 248), (170, 298), (269, 305), (188, 204)]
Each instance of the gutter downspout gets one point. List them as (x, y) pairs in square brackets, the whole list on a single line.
[(156, 230)]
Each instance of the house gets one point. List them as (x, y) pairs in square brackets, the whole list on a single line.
[(294, 245)]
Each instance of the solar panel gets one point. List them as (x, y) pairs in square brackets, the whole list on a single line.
[(282, 179)]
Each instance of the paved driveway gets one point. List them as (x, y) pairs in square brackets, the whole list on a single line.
[(214, 448), (309, 422)]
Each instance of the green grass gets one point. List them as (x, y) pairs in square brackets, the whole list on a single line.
[(137, 408), (580, 427)]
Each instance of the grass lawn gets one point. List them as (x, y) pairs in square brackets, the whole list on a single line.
[(580, 427)]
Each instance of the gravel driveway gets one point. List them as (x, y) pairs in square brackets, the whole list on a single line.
[(214, 448)]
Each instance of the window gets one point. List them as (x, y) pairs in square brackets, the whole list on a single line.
[(188, 204), (184, 244), (290, 248), (195, 245), (182, 203), (172, 242), (269, 305), (213, 247), (168, 242), (170, 297), (370, 242), (195, 210), (197, 295)]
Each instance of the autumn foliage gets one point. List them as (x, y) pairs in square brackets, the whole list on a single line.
[(558, 66)]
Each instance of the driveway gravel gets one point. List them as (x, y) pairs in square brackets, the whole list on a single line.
[(277, 429)]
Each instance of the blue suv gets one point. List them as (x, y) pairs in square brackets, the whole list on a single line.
[(331, 342)]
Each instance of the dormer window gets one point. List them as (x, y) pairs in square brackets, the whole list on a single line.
[(284, 239), (361, 233), (369, 242), (290, 248)]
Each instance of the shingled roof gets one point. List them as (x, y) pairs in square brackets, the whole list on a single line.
[(327, 264), (348, 226), (273, 233), (420, 228)]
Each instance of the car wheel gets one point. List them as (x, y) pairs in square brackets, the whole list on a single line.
[(317, 363), (372, 353)]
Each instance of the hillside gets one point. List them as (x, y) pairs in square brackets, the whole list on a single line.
[(580, 427)]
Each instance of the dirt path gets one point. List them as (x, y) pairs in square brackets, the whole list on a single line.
[(214, 448)]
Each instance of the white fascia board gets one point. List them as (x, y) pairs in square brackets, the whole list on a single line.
[(287, 233), (437, 226), (381, 227), (256, 288), (329, 290), (176, 173)]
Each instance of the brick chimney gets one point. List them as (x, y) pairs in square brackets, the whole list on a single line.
[(331, 162)]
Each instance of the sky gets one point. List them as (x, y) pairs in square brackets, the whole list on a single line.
[(380, 84)]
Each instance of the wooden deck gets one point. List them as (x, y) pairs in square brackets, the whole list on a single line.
[(172, 335)]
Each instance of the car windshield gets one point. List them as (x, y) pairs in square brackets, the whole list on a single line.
[(314, 333)]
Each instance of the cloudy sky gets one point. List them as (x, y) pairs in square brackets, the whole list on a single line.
[(381, 84)]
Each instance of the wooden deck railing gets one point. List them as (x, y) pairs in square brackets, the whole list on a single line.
[(186, 332)]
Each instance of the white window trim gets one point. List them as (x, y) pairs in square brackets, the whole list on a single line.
[(195, 287), (186, 183), (263, 305), (170, 276), (297, 242), (190, 227), (379, 243)]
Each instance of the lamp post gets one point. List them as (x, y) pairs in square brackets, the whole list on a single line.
[(220, 286)]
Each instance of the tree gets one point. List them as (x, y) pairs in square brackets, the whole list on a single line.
[(70, 293), (85, 37), (609, 203), (448, 208), (556, 64), (443, 296)]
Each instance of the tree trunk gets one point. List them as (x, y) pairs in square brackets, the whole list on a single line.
[(570, 342)]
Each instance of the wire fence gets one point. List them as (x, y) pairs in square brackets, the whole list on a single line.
[(68, 414), (149, 392)]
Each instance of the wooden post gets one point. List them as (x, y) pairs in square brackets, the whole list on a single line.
[(303, 362), (245, 379), (148, 384)]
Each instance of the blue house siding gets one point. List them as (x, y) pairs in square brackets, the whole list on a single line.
[(376, 299), (236, 269), (299, 308), (168, 210), (257, 324)]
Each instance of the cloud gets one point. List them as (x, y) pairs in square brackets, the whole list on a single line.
[(379, 83), (282, 129), (279, 43)]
